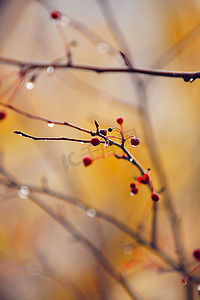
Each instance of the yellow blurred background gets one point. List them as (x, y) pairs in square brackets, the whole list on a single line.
[(38, 258)]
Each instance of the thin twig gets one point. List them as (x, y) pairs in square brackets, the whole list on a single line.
[(52, 138), (109, 141), (128, 157), (31, 116), (65, 282)]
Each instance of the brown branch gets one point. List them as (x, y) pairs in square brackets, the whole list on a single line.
[(109, 141), (32, 65), (52, 138), (129, 156), (31, 116)]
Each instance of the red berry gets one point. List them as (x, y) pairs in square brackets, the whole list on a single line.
[(135, 141), (87, 161), (140, 179), (196, 253), (2, 115), (134, 190), (120, 120), (155, 197), (56, 15), (145, 179), (132, 185), (95, 141), (103, 131)]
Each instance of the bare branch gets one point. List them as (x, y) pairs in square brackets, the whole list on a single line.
[(52, 138), (32, 65)]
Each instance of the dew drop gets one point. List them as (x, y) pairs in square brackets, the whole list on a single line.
[(55, 21), (191, 80), (128, 249), (50, 70), (91, 212), (23, 192), (82, 143), (51, 125), (131, 159), (30, 85), (131, 194), (102, 47), (65, 21), (198, 287)]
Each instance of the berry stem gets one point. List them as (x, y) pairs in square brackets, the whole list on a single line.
[(185, 279), (65, 41)]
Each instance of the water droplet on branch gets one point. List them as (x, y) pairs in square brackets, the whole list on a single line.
[(65, 21), (23, 192), (102, 47), (128, 250), (50, 70), (91, 212), (51, 125), (30, 85)]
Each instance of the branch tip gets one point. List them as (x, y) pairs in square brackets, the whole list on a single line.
[(17, 132)]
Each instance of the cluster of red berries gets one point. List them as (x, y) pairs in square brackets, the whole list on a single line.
[(134, 141), (145, 179), (134, 189)]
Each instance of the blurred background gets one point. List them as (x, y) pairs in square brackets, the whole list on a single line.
[(38, 258)]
